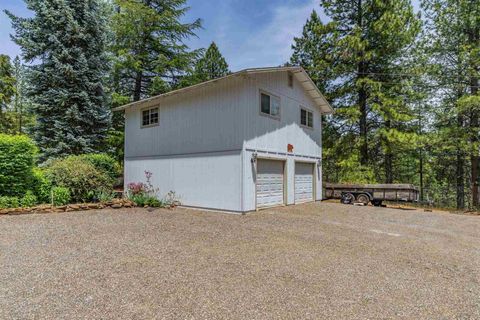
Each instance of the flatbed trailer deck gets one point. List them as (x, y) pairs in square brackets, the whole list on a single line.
[(374, 193)]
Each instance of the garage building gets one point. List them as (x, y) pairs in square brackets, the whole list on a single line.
[(247, 141)]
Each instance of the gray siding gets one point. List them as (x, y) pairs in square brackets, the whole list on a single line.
[(265, 133), (203, 145), (207, 119)]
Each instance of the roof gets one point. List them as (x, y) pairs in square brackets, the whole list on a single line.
[(299, 73)]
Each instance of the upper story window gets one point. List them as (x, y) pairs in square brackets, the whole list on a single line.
[(150, 117), (269, 105), (306, 118)]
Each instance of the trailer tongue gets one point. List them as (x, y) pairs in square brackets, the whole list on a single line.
[(374, 193)]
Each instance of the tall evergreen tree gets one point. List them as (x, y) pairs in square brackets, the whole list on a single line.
[(358, 59), (21, 106), (311, 51), (151, 56), (68, 40), (7, 89), (453, 30), (212, 65)]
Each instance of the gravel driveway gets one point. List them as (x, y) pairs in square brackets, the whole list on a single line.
[(312, 261)]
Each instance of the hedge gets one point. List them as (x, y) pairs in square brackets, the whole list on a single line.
[(17, 160)]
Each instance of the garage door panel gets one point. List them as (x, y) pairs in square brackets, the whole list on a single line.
[(303, 182), (269, 183)]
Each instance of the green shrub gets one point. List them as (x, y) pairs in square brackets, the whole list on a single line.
[(41, 186), (28, 200), (103, 162), (60, 196), (154, 202), (139, 199), (79, 176), (17, 159), (104, 196), (143, 199), (9, 202)]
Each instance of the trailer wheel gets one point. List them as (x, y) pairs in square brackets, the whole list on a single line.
[(377, 203), (363, 198), (347, 198)]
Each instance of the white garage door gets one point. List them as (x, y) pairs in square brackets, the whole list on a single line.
[(269, 183), (303, 182)]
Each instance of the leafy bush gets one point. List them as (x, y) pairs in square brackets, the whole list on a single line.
[(154, 202), (140, 199), (41, 186), (143, 199), (104, 163), (79, 176), (17, 159), (28, 200), (9, 202), (104, 196), (60, 196)]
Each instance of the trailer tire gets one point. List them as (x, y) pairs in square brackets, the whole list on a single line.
[(347, 198), (363, 198), (377, 203)]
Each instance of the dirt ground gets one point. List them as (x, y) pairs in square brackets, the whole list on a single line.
[(312, 261)]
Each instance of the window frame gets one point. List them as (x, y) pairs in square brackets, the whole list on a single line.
[(276, 117), (307, 111), (149, 109)]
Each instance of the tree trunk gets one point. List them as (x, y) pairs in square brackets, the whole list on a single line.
[(460, 173), (422, 197), (362, 95), (137, 91), (388, 157), (474, 39)]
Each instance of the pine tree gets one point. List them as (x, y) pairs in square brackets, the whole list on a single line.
[(453, 30), (151, 56), (7, 89), (23, 117), (311, 52), (212, 65), (358, 59), (68, 40)]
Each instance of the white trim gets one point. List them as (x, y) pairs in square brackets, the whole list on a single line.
[(306, 125), (149, 109), (271, 95)]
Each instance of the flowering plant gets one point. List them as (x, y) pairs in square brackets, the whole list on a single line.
[(144, 193), (136, 188)]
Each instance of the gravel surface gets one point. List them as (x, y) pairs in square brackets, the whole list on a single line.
[(312, 261)]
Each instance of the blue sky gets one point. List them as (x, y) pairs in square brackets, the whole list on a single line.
[(249, 33)]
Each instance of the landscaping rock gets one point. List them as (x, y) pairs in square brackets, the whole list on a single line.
[(116, 206)]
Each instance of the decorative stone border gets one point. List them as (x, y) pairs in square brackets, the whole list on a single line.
[(45, 208)]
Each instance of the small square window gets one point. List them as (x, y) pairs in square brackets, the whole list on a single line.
[(306, 118), (150, 117), (269, 105)]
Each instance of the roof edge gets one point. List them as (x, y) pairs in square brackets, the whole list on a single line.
[(294, 69)]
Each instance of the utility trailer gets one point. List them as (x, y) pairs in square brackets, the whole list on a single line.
[(374, 193)]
